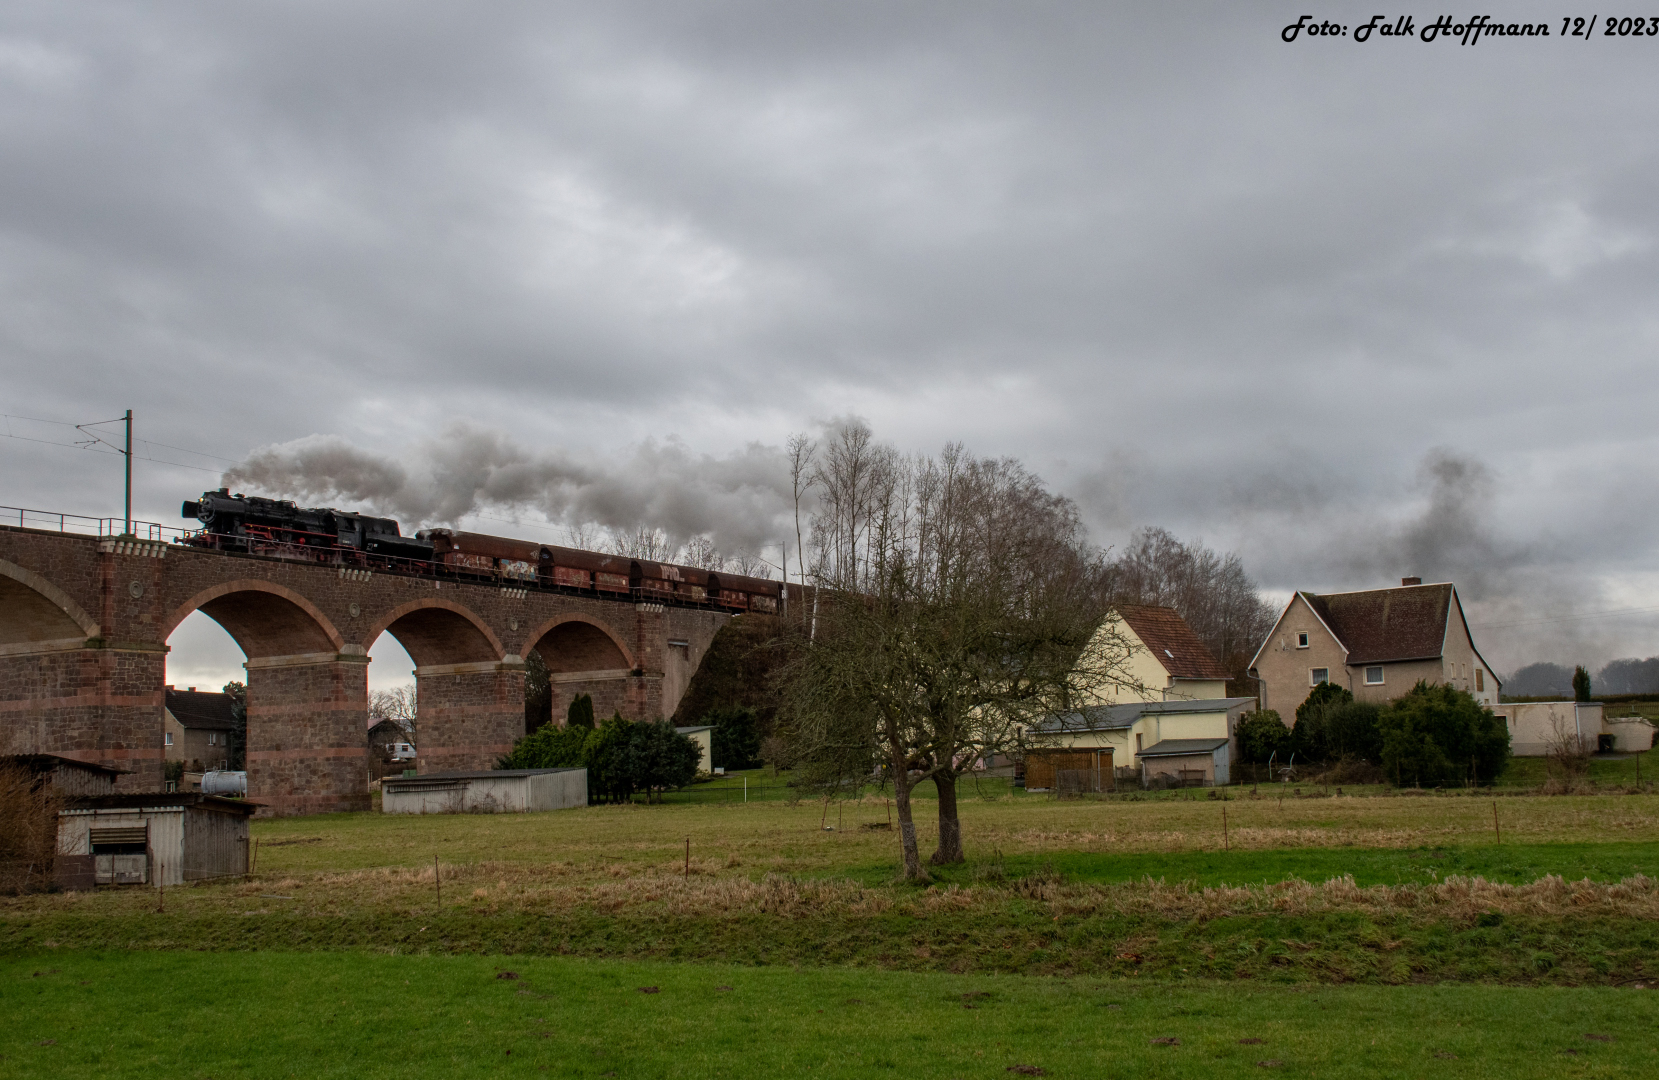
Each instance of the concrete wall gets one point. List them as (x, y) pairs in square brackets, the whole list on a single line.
[(505, 794), (1631, 734), (84, 625), (1535, 725)]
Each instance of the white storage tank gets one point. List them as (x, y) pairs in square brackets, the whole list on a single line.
[(225, 782)]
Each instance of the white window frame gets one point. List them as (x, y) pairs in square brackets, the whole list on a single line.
[(1315, 682), (169, 741), (1301, 639), (1378, 681)]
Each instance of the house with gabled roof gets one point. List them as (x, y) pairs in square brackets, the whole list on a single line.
[(197, 727), (1167, 661), (1377, 643), (1168, 718)]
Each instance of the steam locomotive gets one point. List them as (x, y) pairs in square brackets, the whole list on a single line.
[(275, 528)]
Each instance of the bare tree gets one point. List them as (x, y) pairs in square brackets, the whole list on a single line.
[(644, 543), (29, 808), (396, 705), (1211, 592), (701, 553), (802, 451), (586, 536), (749, 564), (962, 604)]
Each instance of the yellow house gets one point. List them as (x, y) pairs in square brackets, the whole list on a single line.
[(1188, 741), (1166, 660), (1168, 715)]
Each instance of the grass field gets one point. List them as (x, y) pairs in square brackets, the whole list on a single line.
[(777, 837), (1381, 890), (1355, 936), (351, 1014)]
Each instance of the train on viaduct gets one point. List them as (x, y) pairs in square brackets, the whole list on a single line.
[(84, 623)]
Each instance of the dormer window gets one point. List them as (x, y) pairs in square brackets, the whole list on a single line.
[(1302, 640)]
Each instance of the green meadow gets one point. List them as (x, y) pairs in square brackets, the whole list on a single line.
[(234, 1015)]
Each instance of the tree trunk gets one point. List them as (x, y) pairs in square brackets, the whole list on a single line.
[(950, 826), (907, 826)]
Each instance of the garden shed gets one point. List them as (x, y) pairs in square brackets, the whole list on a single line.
[(152, 839), (493, 791), (1185, 763)]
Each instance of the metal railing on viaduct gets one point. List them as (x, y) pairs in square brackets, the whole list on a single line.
[(85, 617)]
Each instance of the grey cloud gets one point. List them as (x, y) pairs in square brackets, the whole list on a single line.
[(1236, 287)]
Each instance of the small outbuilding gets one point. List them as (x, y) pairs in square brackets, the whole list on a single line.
[(69, 776), (1185, 763), (493, 791), (704, 738), (151, 839)]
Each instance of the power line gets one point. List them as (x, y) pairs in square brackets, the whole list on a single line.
[(1613, 614), (147, 444)]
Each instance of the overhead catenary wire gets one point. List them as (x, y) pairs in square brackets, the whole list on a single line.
[(98, 445)]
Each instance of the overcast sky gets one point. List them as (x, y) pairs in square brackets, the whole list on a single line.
[(1353, 310)]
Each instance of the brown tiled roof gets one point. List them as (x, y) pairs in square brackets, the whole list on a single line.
[(1407, 623), (1172, 641), (201, 710)]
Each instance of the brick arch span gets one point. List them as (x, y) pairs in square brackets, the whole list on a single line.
[(434, 631), (578, 643), (36, 611), (263, 617)]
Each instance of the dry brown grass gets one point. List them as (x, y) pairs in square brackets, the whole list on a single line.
[(774, 837), (514, 888), (28, 830)]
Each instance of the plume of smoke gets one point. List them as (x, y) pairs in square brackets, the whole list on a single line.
[(738, 502)]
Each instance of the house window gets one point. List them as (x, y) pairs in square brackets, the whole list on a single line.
[(1480, 679), (1137, 742), (1302, 640), (1318, 675), (169, 738), (1373, 676)]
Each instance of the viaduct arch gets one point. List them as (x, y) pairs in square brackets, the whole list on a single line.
[(84, 624)]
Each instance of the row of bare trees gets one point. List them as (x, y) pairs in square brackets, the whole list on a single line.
[(955, 601)]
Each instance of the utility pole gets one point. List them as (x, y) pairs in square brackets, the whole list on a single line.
[(129, 473)]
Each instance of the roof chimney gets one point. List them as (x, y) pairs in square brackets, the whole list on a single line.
[(1411, 581)]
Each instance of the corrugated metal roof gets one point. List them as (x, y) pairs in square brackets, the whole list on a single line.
[(1117, 717), (1183, 747)]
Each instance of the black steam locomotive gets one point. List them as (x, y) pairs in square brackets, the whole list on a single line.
[(276, 528)]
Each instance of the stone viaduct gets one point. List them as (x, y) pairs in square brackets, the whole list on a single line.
[(84, 624)]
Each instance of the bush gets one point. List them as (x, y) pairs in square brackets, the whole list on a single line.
[(1438, 735), (623, 757), (580, 713), (663, 758), (736, 742), (1319, 699), (549, 747), (1261, 735)]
